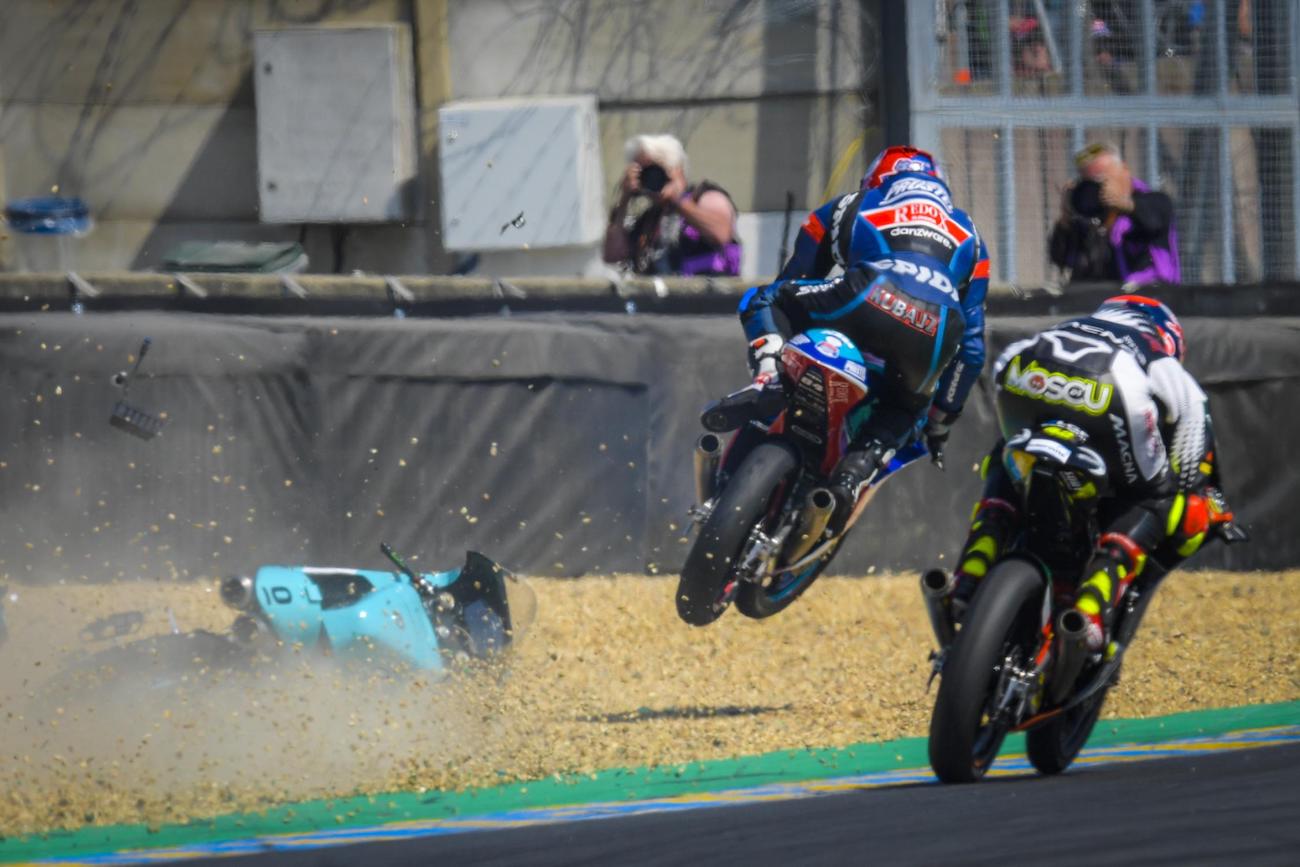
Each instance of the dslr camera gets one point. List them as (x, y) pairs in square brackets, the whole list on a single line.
[(1085, 200), (653, 178)]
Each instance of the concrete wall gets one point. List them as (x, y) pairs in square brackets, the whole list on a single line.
[(146, 108)]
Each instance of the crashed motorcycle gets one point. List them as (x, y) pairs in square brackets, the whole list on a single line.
[(763, 503), (1019, 661), (420, 623)]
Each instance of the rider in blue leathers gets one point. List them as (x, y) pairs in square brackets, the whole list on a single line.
[(912, 294)]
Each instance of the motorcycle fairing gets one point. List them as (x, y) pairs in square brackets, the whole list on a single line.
[(388, 620), (829, 378), (1053, 446)]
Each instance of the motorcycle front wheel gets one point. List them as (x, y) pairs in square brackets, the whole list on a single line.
[(707, 583), (1001, 626)]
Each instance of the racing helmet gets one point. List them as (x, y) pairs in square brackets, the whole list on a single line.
[(897, 159), (1156, 313)]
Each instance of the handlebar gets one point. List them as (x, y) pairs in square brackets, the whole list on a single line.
[(397, 561)]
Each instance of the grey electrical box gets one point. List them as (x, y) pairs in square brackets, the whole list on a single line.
[(335, 124), (520, 173)]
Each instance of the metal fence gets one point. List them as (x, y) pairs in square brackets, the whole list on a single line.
[(1201, 98)]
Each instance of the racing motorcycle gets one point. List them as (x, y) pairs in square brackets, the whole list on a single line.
[(1019, 661), (763, 505), (404, 619), (400, 620)]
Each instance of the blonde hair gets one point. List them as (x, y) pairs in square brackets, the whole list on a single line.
[(1091, 152), (666, 150)]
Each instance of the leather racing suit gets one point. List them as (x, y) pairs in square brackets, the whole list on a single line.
[(915, 277), (1145, 414)]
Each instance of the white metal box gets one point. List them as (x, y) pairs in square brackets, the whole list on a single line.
[(335, 124), (520, 173)]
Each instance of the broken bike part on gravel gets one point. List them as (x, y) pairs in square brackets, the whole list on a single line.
[(131, 419)]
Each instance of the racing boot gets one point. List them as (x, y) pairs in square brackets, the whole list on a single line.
[(851, 476), (1117, 561), (762, 398), (1222, 520), (991, 526)]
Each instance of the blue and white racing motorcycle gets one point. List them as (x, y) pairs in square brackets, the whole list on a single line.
[(764, 507), (402, 621), (401, 618)]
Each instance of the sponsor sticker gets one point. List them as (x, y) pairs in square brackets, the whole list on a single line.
[(922, 273), (921, 233), (917, 211), (830, 346), (1126, 461), (1050, 386), (1048, 449), (904, 310), (809, 288), (904, 187)]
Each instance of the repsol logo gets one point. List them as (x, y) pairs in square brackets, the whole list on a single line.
[(1039, 383), (904, 311)]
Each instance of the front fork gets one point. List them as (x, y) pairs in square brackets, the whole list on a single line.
[(1020, 689)]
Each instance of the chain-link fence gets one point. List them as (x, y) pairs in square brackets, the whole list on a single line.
[(1199, 96)]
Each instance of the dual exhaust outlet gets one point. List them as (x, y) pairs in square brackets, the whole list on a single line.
[(1071, 633)]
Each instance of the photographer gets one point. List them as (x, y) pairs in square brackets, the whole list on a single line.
[(678, 228), (1113, 227)]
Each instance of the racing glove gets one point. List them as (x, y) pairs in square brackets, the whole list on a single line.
[(937, 427), (763, 355), (761, 398)]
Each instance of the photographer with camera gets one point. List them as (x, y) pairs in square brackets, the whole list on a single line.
[(1113, 227), (661, 225)]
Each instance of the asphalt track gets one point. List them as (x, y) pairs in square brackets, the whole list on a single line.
[(1217, 807)]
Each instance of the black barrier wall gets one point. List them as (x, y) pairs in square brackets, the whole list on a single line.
[(558, 444)]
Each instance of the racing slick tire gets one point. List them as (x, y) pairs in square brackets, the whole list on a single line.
[(706, 586), (1002, 623)]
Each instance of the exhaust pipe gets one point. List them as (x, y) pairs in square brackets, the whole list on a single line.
[(708, 454), (813, 518), (1072, 653), (249, 631), (237, 592), (936, 584)]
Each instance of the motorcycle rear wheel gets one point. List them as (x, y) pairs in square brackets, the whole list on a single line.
[(1052, 746), (764, 600), (702, 594), (1002, 622)]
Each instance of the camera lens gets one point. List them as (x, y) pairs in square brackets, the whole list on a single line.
[(653, 178), (1085, 199)]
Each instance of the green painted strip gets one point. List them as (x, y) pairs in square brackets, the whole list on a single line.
[(618, 784)]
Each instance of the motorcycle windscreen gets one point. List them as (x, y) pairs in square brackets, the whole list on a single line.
[(832, 349), (495, 606)]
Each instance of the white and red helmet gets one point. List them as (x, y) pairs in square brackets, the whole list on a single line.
[(1168, 331), (900, 159)]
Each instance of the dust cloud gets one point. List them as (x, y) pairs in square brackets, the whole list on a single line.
[(605, 677)]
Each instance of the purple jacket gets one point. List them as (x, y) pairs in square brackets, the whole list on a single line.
[(1145, 242), (667, 244)]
